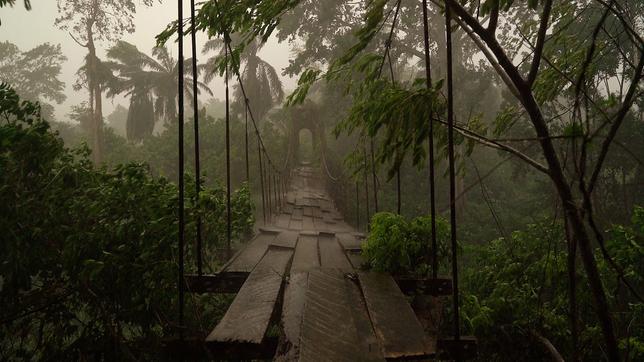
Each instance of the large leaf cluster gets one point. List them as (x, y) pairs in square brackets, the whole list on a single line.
[(398, 113)]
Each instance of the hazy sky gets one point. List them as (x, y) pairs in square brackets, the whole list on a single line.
[(28, 29)]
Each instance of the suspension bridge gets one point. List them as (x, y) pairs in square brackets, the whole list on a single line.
[(302, 294), (301, 290)]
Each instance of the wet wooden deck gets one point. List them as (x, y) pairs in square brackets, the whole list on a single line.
[(304, 288)]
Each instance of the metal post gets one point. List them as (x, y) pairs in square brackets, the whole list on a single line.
[(246, 142), (195, 107), (228, 208), (261, 177), (181, 165), (358, 205), (452, 171), (432, 192)]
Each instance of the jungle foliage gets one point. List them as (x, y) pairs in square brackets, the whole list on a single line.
[(401, 247), (89, 263), (548, 106)]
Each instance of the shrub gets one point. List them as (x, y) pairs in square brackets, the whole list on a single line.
[(88, 257), (398, 246)]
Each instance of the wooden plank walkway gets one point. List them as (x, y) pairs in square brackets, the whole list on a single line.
[(308, 262), (249, 316)]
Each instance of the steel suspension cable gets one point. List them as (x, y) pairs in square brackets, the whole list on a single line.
[(382, 64), (268, 184), (195, 107), (358, 205), (181, 164), (228, 208), (235, 67), (261, 177), (366, 186), (452, 171), (432, 191), (278, 191), (398, 191), (246, 140)]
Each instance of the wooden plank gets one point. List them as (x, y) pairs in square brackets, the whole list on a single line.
[(465, 348), (249, 316), (331, 254), (269, 230), (295, 224), (349, 241), (356, 259), (224, 282), (328, 329), (319, 224), (369, 342), (307, 211), (297, 214), (317, 213), (429, 311), (307, 223), (286, 239), (306, 254), (400, 333), (251, 254), (330, 222), (292, 313), (283, 220)]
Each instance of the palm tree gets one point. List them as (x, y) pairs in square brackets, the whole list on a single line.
[(151, 83), (261, 81)]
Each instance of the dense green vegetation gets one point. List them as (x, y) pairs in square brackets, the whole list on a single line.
[(516, 290), (549, 114), (399, 246), (89, 259)]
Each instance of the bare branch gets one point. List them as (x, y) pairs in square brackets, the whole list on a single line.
[(617, 122), (541, 40), (490, 57), (494, 18), (78, 42), (499, 146)]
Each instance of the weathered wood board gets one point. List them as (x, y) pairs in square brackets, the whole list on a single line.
[(356, 259), (328, 330), (295, 224), (331, 254), (246, 260), (398, 330), (367, 338), (249, 316), (283, 220), (306, 254), (297, 214), (307, 223), (349, 241), (286, 239), (293, 311)]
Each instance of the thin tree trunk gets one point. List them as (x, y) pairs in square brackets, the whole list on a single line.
[(555, 171), (96, 103)]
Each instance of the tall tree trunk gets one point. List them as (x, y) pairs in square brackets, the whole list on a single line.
[(556, 173), (96, 102), (98, 124)]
